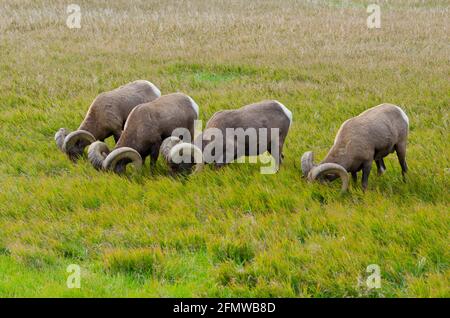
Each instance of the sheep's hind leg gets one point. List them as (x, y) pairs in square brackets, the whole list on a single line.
[(367, 166), (400, 148)]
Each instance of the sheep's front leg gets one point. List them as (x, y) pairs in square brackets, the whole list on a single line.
[(280, 153), (367, 166), (381, 168), (154, 153), (354, 176)]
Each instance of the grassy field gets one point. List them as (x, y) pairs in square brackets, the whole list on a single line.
[(232, 232)]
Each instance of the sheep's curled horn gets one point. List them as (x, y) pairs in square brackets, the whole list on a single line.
[(189, 154), (307, 163), (102, 158), (73, 143), (312, 171)]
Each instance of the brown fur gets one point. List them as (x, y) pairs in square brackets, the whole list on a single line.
[(109, 111), (372, 135), (105, 117), (266, 114), (149, 124)]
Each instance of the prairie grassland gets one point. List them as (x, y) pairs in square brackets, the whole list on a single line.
[(232, 232)]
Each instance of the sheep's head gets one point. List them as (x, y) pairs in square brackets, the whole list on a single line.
[(167, 145), (73, 143), (116, 160), (181, 156), (184, 156), (323, 171)]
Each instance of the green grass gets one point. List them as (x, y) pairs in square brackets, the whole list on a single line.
[(231, 232)]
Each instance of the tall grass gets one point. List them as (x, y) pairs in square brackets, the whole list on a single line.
[(231, 232)]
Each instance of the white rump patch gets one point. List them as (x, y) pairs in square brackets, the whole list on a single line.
[(154, 88), (286, 111), (405, 118), (194, 105)]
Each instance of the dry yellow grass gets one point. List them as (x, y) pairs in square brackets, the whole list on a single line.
[(232, 232)]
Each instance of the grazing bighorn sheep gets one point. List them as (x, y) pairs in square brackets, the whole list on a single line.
[(372, 135), (187, 154), (106, 116), (146, 127), (231, 134)]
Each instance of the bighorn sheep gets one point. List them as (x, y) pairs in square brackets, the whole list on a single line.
[(106, 116), (146, 127), (372, 135), (186, 153), (231, 134)]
